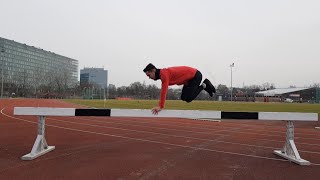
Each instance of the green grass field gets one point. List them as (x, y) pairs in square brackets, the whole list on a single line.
[(201, 105)]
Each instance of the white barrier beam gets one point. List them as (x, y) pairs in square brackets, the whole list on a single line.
[(44, 111), (288, 116), (193, 114)]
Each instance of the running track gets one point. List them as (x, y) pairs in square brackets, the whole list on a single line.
[(151, 148)]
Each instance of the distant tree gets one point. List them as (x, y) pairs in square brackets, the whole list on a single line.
[(122, 91), (174, 93), (153, 91), (112, 91), (22, 83), (37, 79), (222, 89), (137, 90), (268, 86)]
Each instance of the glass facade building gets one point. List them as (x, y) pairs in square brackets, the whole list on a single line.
[(94, 82), (21, 63), (94, 76)]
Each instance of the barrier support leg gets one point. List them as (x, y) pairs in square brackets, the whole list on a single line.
[(40, 146), (289, 150)]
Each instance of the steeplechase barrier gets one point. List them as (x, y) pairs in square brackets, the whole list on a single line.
[(289, 150)]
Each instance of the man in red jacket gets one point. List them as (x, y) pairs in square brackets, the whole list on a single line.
[(189, 77)]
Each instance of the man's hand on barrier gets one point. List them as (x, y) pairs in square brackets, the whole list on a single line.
[(156, 110)]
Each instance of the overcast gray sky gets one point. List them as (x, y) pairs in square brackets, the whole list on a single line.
[(275, 41)]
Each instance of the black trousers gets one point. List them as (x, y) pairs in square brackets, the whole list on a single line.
[(193, 88)]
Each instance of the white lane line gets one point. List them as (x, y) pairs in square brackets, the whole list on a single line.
[(177, 136), (178, 130), (213, 130), (196, 125), (141, 121)]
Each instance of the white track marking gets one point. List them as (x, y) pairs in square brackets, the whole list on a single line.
[(195, 125), (177, 136), (214, 130)]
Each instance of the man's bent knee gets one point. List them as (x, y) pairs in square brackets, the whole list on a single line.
[(187, 100)]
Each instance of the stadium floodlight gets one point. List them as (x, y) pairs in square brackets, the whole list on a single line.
[(231, 66)]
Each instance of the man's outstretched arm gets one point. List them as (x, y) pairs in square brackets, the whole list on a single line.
[(163, 95)]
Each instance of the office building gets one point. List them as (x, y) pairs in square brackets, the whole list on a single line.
[(29, 66), (94, 77)]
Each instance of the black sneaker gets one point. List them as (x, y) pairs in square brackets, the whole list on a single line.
[(209, 87)]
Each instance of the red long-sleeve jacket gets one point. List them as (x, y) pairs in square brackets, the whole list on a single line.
[(174, 76)]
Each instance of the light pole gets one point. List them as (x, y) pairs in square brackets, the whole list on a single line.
[(92, 92), (104, 97), (231, 66), (2, 64), (84, 94)]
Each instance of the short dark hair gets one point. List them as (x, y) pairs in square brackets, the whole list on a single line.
[(149, 67)]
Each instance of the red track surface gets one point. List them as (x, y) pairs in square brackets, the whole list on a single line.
[(151, 148)]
